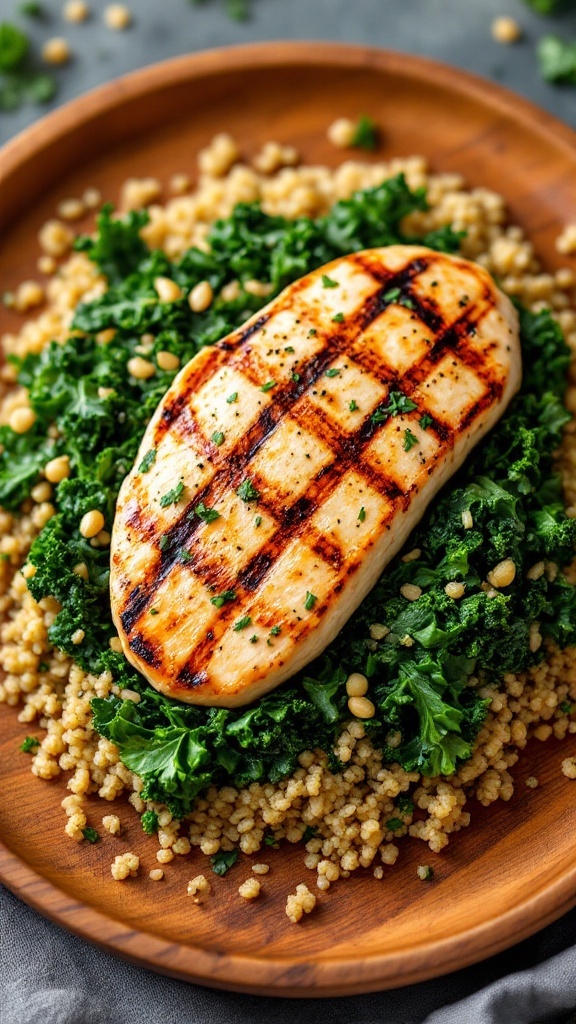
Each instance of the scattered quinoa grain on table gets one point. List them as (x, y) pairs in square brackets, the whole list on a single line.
[(56, 51), (111, 823), (299, 903), (117, 16), (76, 11), (341, 132), (125, 865), (199, 888), (425, 872), (249, 889), (569, 767), (506, 30)]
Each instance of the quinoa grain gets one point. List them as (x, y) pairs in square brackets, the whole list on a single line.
[(506, 30), (124, 865), (91, 523), (75, 11), (249, 889), (117, 17), (56, 51), (201, 296)]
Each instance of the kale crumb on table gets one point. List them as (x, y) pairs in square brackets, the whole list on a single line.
[(461, 650)]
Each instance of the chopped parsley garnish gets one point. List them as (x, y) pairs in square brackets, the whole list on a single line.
[(254, 639), (312, 332), (154, 611), (397, 404), (173, 497), (410, 440), (258, 521), (295, 377), (207, 515), (463, 301), (218, 437), (333, 372), (268, 385), (405, 804), (247, 491), (223, 861), (557, 59), (270, 840), (148, 461), (91, 834), (163, 542), (408, 302), (232, 398), (309, 833), (149, 822), (14, 46), (353, 405), (362, 514), (310, 601), (28, 744), (289, 348), (394, 824), (392, 295), (425, 421), (221, 599), (185, 555), (338, 318), (565, 708), (365, 134), (328, 282), (275, 630), (242, 623)]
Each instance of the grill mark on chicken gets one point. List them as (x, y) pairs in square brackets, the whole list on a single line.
[(243, 334), (146, 650), (347, 449)]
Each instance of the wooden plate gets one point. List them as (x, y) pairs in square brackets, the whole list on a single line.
[(513, 871)]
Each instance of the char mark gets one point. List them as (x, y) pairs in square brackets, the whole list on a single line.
[(329, 551), (252, 575), (191, 680), (145, 649), (297, 513), (243, 334), (134, 607), (492, 394), (171, 412)]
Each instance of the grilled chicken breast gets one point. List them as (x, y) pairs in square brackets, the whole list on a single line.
[(287, 464)]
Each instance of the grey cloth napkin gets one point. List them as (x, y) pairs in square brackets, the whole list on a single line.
[(50, 977)]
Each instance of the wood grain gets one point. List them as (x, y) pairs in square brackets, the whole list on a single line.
[(513, 871)]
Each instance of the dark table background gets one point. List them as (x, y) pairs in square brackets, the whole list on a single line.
[(49, 977)]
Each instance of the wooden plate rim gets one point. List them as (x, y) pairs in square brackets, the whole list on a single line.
[(295, 977), (248, 56)]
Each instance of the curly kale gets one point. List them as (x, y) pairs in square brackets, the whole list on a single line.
[(420, 670)]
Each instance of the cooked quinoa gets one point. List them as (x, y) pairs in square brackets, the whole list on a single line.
[(352, 817)]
